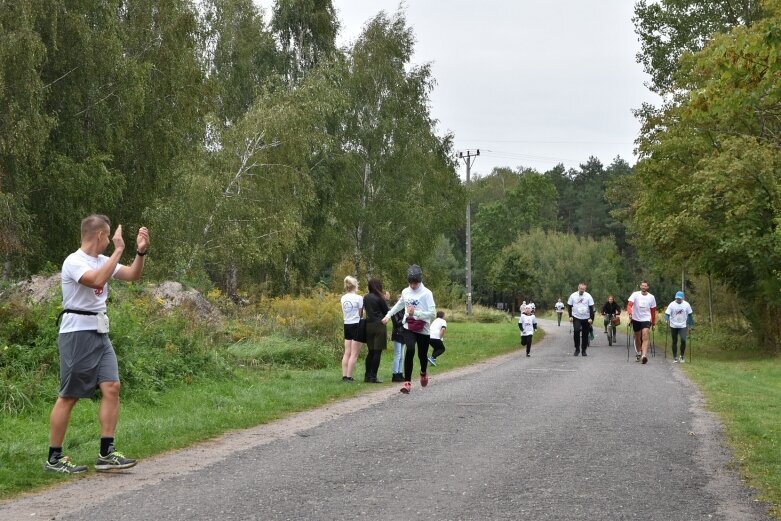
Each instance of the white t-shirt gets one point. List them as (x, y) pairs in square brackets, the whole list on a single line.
[(81, 297), (679, 314), (642, 306), (559, 307), (527, 324), (436, 328), (352, 304), (580, 305)]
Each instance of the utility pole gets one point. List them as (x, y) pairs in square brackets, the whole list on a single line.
[(469, 158)]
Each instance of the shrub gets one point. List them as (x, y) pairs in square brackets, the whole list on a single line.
[(481, 314), (278, 350), (317, 317)]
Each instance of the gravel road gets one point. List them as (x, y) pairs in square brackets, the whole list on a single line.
[(548, 437)]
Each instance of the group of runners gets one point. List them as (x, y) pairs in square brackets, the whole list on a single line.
[(88, 361), (641, 308)]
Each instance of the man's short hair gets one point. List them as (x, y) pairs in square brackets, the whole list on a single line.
[(93, 224)]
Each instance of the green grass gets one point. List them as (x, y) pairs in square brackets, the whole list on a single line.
[(151, 424), (744, 388)]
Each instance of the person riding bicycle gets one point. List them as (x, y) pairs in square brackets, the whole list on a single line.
[(609, 310)]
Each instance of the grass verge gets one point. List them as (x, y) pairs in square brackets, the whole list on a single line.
[(152, 424), (744, 388)]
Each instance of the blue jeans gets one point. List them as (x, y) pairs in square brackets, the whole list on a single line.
[(398, 355)]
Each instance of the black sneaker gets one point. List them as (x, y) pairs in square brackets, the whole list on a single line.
[(64, 465), (114, 461), (577, 352)]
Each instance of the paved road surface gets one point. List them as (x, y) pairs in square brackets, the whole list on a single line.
[(541, 438)]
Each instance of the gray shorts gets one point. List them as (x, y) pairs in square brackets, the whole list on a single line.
[(87, 359)]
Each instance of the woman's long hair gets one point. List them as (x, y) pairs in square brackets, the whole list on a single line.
[(375, 286)]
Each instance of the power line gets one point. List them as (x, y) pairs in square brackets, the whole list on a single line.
[(548, 142)]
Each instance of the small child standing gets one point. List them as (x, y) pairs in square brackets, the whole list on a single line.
[(438, 328), (527, 323)]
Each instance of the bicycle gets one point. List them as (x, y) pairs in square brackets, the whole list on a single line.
[(614, 321)]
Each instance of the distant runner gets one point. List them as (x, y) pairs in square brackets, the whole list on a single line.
[(559, 307), (580, 307)]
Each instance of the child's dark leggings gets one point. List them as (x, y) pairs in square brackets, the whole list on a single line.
[(438, 345), (526, 340), (410, 339)]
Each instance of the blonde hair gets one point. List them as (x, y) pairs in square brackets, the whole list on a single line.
[(350, 283), (94, 223)]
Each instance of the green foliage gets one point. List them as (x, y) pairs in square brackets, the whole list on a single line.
[(241, 55), (316, 317), (709, 174), (307, 30), (393, 164), (669, 29), (524, 268), (742, 384), (281, 351), (480, 314), (155, 349)]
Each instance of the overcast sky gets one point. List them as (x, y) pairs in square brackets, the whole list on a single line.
[(530, 83)]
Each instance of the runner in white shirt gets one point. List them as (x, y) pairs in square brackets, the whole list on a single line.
[(559, 308), (679, 317), (527, 323), (580, 307), (641, 307)]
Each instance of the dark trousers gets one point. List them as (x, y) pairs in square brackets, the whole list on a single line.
[(527, 341), (581, 329), (410, 339), (676, 332), (376, 341), (372, 364), (438, 345)]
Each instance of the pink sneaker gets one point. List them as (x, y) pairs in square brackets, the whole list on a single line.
[(423, 380), (406, 388)]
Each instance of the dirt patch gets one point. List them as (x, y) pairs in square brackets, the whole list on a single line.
[(173, 295), (39, 289)]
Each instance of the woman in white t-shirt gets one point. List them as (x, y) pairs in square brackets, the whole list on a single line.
[(352, 305)]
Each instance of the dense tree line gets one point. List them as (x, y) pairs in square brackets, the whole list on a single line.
[(537, 234), (257, 153), (262, 154), (707, 186)]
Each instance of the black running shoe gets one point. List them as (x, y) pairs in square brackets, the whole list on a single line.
[(114, 461), (64, 465)]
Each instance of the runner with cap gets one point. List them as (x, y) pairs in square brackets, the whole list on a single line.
[(680, 319)]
